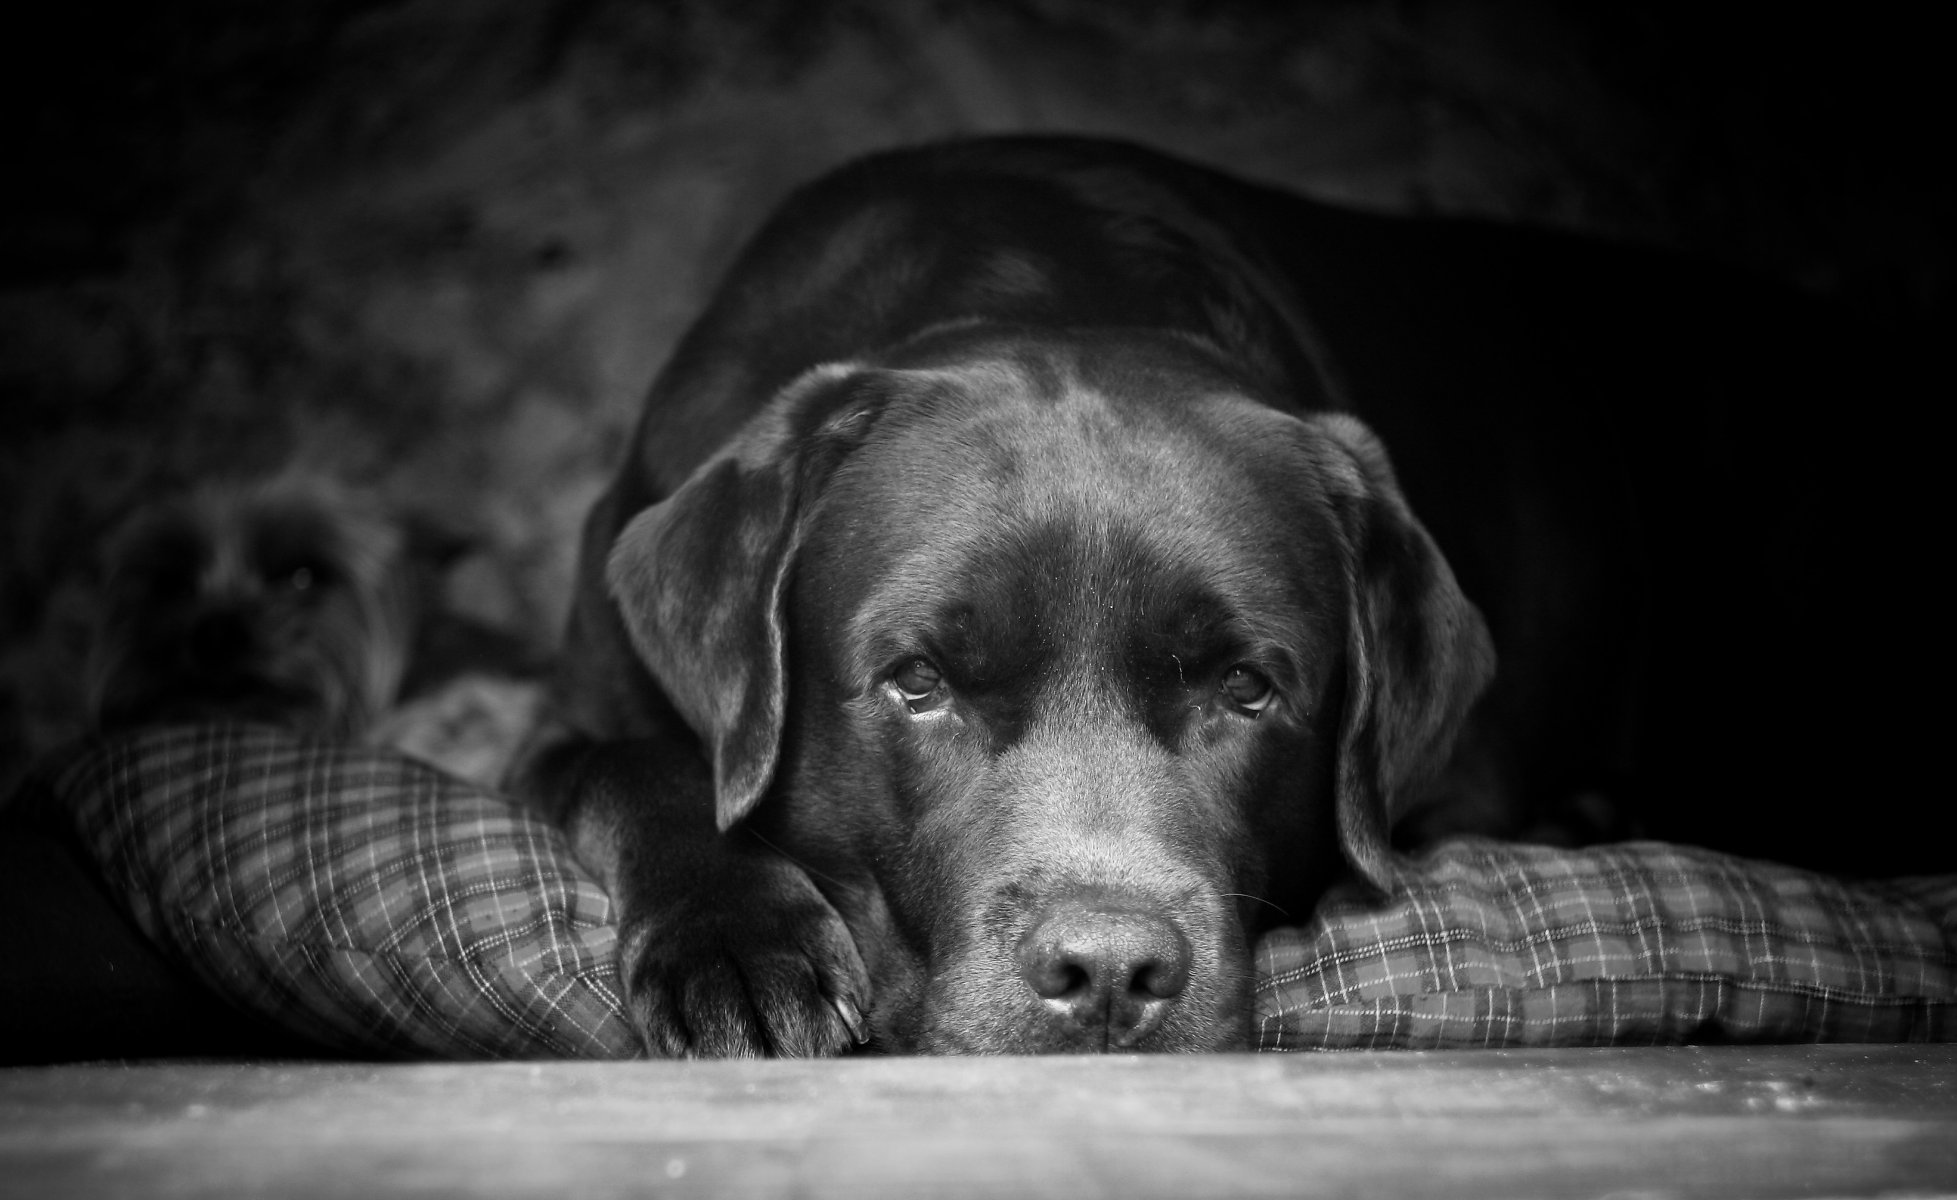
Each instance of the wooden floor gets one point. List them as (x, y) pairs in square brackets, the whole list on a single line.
[(1781, 1121)]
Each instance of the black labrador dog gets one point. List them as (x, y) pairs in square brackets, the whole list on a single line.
[(1008, 604)]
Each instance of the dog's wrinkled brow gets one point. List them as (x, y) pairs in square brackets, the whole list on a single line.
[(1003, 519), (1008, 601)]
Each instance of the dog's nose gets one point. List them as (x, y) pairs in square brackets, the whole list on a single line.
[(1111, 972), (217, 640)]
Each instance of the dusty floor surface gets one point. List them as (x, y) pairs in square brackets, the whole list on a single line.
[(439, 247)]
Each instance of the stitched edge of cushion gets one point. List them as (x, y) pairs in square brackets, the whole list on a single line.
[(368, 1001), (1655, 1010)]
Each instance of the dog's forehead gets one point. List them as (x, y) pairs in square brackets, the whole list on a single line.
[(1010, 486), (1057, 439)]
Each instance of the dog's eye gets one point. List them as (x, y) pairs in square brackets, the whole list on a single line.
[(917, 681), (297, 578), (1248, 688)]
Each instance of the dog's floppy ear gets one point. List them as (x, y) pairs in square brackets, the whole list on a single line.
[(699, 577), (1418, 652)]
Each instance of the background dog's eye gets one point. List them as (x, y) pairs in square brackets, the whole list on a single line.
[(298, 577), (917, 681), (1248, 688)]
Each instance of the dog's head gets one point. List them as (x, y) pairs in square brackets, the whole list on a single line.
[(284, 600), (1061, 664)]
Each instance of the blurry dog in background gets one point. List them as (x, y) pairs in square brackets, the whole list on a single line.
[(288, 600), (301, 602)]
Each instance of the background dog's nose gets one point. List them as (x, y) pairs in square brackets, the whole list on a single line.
[(1112, 971), (218, 639)]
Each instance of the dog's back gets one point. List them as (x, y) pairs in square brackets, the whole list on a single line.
[(1695, 508)]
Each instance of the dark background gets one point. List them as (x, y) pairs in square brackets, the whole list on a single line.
[(439, 247)]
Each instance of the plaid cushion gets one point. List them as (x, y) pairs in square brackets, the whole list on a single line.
[(356, 897), (1495, 944), (376, 905)]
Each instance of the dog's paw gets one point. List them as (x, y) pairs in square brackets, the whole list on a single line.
[(764, 967)]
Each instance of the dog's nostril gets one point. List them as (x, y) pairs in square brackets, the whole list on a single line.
[(1106, 968), (1057, 973), (1162, 980)]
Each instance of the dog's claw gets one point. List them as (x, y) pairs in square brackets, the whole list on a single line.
[(776, 975), (852, 1017)]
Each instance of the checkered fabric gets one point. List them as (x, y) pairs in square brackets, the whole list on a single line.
[(370, 903), (1495, 944), (379, 906)]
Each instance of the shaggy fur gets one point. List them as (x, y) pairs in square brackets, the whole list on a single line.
[(285, 600)]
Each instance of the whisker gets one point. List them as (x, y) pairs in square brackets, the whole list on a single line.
[(831, 879), (1281, 911)]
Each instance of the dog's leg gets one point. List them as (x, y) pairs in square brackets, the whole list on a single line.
[(727, 948)]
